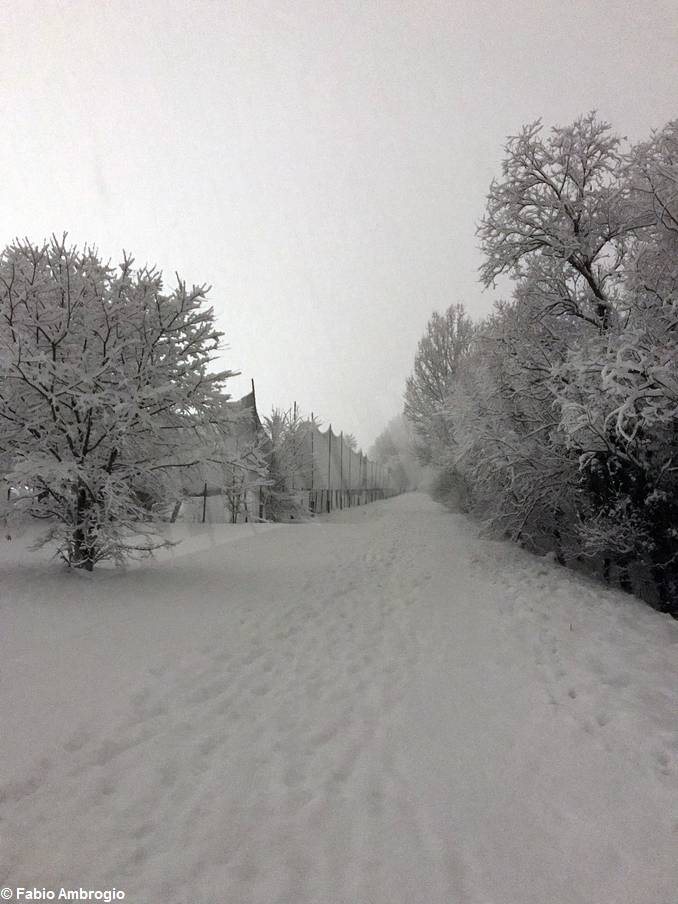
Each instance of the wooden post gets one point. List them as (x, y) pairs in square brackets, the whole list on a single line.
[(204, 502)]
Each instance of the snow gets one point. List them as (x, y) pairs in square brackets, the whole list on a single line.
[(375, 707)]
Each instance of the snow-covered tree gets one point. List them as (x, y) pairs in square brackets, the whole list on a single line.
[(561, 224), (105, 395), (565, 424), (507, 457), (289, 462), (653, 187), (439, 352), (562, 210), (394, 450), (619, 397)]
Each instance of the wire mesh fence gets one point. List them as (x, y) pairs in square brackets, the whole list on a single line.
[(323, 472), (335, 475)]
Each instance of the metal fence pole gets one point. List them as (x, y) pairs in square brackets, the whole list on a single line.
[(329, 467), (341, 470), (350, 456), (311, 495)]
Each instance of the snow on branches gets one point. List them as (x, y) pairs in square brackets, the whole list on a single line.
[(447, 338), (105, 396), (561, 208), (561, 418)]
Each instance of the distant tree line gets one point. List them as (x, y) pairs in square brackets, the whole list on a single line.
[(555, 419), (396, 448)]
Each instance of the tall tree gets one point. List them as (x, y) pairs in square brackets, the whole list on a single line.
[(394, 450), (561, 211), (439, 352), (566, 424), (105, 395), (289, 460), (619, 397)]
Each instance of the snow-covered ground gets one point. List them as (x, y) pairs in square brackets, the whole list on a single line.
[(376, 708)]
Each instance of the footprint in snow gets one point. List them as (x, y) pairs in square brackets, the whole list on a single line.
[(77, 741), (661, 757)]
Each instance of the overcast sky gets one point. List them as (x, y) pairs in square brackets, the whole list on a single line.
[(321, 164)]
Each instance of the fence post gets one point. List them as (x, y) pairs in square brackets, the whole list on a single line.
[(329, 468), (204, 502), (312, 492), (341, 470), (350, 456), (294, 446)]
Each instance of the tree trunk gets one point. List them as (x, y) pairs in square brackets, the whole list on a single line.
[(84, 545), (625, 577)]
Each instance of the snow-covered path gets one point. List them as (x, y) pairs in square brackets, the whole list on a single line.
[(375, 709)]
